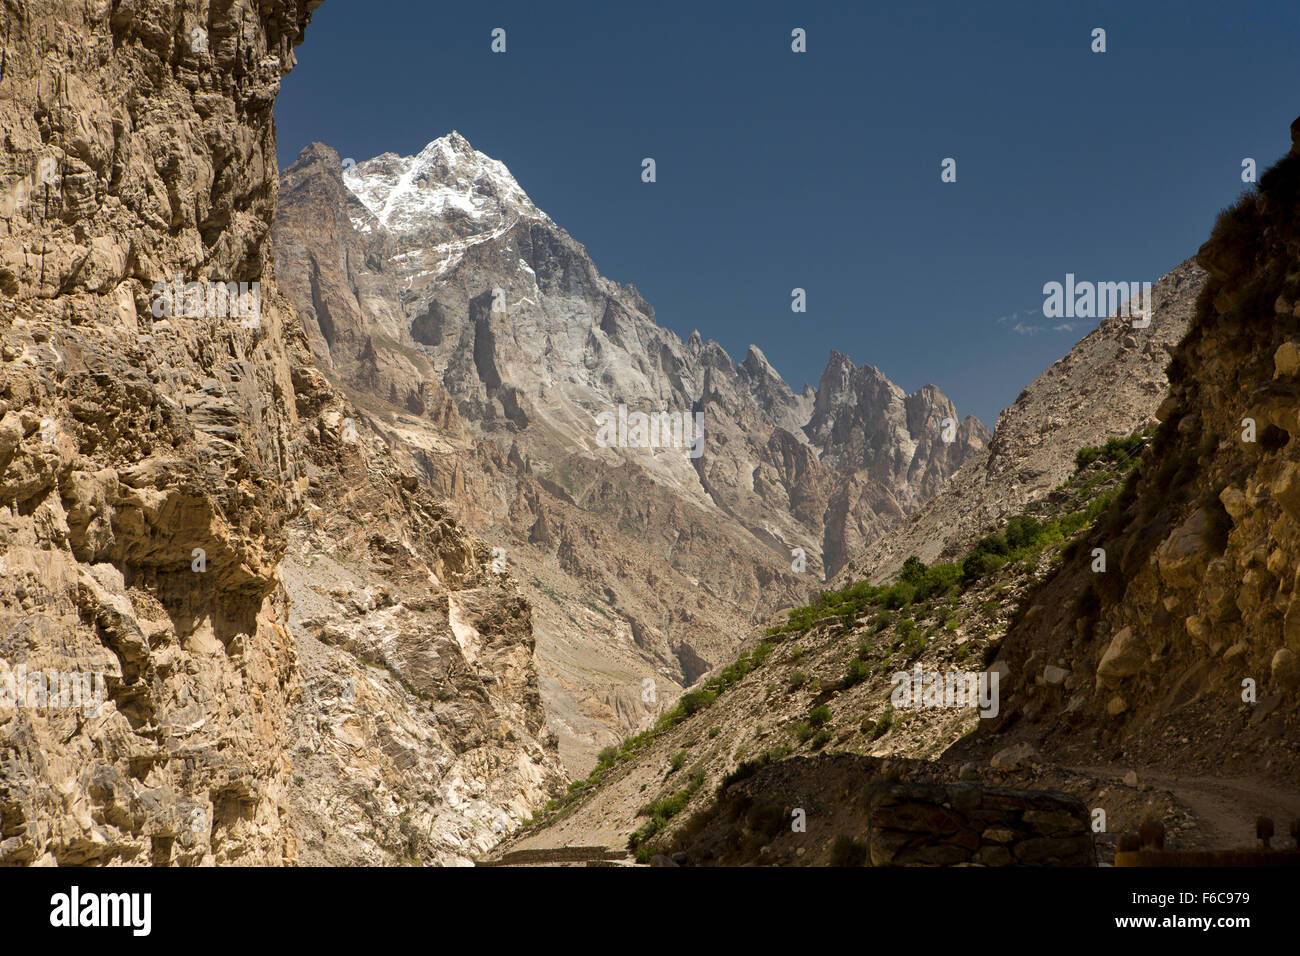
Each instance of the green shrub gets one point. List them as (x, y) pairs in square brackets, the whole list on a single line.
[(978, 564), (819, 716), (859, 670), (942, 578), (1118, 450), (844, 606), (744, 770), (913, 571), (662, 810), (884, 723), (899, 594), (1021, 531), (695, 701)]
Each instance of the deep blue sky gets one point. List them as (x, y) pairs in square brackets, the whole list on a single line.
[(821, 170)]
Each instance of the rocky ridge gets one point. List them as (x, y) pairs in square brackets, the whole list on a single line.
[(167, 472), (1109, 384)]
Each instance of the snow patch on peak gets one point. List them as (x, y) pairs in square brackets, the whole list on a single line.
[(448, 180)]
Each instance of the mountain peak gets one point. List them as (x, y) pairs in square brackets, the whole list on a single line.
[(448, 181), (456, 140), (758, 367), (449, 145)]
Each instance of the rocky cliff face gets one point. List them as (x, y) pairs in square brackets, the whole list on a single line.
[(420, 734), (870, 431), (170, 460), (148, 465), (1108, 385), (1184, 650), (472, 328)]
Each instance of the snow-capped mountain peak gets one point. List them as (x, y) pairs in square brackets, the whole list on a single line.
[(446, 182)]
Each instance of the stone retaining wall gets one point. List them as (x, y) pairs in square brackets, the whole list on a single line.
[(916, 824)]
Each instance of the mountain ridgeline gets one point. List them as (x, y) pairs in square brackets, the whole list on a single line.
[(472, 330)]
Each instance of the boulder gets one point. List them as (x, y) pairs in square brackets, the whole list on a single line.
[(1124, 657)]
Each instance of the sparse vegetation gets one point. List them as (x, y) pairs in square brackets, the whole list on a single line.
[(1121, 451), (664, 809), (920, 590), (689, 704), (884, 723)]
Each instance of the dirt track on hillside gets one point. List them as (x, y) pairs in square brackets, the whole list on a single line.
[(1224, 808)]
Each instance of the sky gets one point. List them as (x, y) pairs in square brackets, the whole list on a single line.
[(821, 170)]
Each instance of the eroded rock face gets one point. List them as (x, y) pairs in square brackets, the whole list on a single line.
[(1188, 633), (433, 275), (891, 446), (168, 468), (148, 464), (420, 737)]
